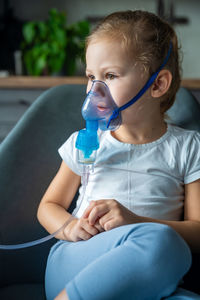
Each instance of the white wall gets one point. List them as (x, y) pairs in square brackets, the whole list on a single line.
[(189, 35)]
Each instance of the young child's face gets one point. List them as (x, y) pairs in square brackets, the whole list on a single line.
[(108, 61)]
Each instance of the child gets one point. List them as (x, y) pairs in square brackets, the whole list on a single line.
[(133, 241)]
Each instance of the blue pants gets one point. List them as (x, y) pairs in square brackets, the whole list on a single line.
[(137, 261)]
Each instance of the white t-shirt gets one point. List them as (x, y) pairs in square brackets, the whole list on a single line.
[(147, 178)]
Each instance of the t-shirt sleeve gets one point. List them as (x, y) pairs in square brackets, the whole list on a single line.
[(192, 171), (68, 153)]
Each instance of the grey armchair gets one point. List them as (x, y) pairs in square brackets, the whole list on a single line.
[(28, 162)]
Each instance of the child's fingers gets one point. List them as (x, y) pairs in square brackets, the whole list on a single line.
[(110, 224), (98, 226), (97, 212), (105, 219), (83, 235), (88, 209), (80, 229), (90, 229)]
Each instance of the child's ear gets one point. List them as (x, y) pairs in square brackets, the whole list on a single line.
[(161, 84)]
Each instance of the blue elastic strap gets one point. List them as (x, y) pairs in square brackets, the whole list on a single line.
[(143, 90)]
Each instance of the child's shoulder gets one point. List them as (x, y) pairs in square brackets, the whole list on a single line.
[(183, 139), (181, 133)]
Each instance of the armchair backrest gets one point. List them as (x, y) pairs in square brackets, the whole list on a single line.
[(185, 111)]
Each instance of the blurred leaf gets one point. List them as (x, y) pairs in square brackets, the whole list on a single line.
[(60, 36), (29, 32), (56, 62), (40, 64), (82, 28), (42, 29)]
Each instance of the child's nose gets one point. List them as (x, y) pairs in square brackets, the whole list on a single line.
[(99, 89)]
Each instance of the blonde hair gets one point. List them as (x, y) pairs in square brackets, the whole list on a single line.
[(147, 39)]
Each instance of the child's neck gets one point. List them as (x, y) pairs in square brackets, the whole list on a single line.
[(140, 133)]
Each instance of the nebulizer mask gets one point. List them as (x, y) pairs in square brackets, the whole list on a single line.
[(97, 110), (100, 113)]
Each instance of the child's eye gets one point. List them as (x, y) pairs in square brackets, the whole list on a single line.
[(91, 77), (110, 76)]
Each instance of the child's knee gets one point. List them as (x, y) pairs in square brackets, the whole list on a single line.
[(162, 244), (160, 254), (169, 248), (169, 239)]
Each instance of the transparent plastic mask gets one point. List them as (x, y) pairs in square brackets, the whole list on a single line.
[(99, 106)]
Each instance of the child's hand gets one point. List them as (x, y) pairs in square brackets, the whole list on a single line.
[(80, 229), (109, 214)]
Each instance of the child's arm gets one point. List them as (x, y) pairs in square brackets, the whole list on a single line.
[(52, 211), (111, 213)]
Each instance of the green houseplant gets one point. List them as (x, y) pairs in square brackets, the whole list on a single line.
[(75, 47), (51, 46)]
